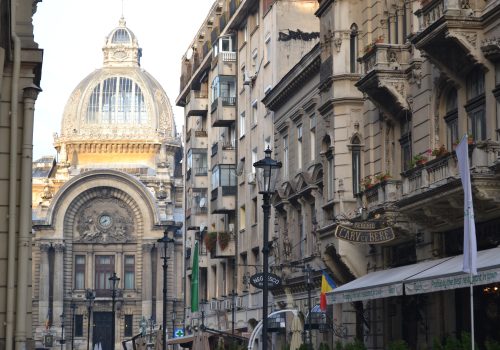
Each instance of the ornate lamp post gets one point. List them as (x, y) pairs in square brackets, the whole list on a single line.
[(114, 284), (73, 308), (62, 331), (267, 176), (89, 297), (308, 281), (165, 240)]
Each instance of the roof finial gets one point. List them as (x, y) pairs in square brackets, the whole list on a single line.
[(122, 8)]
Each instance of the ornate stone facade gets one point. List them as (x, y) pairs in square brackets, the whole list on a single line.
[(101, 207)]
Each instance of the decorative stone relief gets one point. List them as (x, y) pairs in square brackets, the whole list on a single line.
[(470, 37), (104, 220)]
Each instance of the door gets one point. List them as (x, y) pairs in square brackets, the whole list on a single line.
[(102, 331)]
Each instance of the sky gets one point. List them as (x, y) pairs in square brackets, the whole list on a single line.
[(72, 34)]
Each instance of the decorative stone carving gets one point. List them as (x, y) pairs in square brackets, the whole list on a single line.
[(105, 220)]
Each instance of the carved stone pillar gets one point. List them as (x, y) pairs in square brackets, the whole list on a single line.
[(43, 287), (147, 279), (58, 279)]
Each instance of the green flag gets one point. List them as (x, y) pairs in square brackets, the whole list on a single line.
[(194, 280)]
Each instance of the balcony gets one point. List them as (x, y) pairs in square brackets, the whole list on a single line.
[(196, 139), (197, 177), (224, 152), (225, 62), (385, 76), (196, 103), (381, 194), (225, 247), (434, 190), (450, 28), (223, 199), (223, 111)]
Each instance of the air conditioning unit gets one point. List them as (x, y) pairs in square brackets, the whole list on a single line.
[(251, 178), (214, 305)]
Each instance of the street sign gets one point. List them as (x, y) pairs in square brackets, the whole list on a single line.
[(178, 333), (273, 281)]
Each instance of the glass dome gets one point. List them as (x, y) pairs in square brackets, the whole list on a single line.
[(121, 36), (116, 100)]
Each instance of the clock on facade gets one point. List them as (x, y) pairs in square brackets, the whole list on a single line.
[(105, 221)]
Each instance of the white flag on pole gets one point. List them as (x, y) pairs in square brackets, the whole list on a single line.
[(470, 246)]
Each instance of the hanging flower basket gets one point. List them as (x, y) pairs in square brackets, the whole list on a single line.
[(211, 241), (223, 238)]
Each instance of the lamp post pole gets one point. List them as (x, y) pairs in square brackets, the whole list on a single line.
[(89, 296), (62, 331), (203, 304), (165, 240), (73, 308), (267, 178), (114, 283), (309, 285)]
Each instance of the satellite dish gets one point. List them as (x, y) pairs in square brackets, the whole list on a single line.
[(203, 202)]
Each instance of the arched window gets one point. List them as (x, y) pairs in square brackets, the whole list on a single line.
[(356, 164), (330, 167), (451, 118), (353, 48), (476, 105)]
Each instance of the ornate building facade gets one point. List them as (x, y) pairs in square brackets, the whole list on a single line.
[(101, 205), (20, 74)]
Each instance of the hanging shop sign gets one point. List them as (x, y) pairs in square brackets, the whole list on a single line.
[(273, 281), (365, 232)]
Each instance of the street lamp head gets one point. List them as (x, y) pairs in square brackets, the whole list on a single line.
[(89, 296), (165, 240), (267, 173), (62, 318), (114, 281)]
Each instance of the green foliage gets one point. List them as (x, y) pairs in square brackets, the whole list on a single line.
[(304, 347), (452, 343), (285, 347), (338, 346), (324, 346), (357, 345), (492, 345), (398, 345)]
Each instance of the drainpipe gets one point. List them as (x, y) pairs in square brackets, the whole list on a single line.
[(11, 262), (25, 221)]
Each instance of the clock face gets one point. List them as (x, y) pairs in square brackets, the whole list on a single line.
[(105, 221)]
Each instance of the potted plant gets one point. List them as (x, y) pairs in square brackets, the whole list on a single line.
[(223, 238), (418, 160), (210, 241), (440, 151), (367, 182), (381, 177)]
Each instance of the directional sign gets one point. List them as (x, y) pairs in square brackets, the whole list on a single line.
[(273, 281), (178, 333)]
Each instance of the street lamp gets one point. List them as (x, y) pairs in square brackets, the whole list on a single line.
[(308, 281), (114, 284), (203, 306), (165, 240), (89, 297), (62, 331), (267, 176), (73, 308)]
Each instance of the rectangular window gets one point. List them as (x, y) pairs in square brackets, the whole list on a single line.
[(255, 210), (254, 159), (243, 217), (268, 47), (129, 326), (78, 325), (224, 175), (312, 122), (451, 129), (477, 123), (299, 146), (356, 169), (331, 177), (129, 268), (80, 272), (200, 162), (254, 113), (104, 268), (285, 157), (242, 124)]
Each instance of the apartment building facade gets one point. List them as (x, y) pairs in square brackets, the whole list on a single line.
[(242, 49)]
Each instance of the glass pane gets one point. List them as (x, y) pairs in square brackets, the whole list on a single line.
[(129, 280), (80, 280)]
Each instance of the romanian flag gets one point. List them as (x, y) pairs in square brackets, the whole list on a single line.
[(327, 285)]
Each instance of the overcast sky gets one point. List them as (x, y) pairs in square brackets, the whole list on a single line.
[(72, 34)]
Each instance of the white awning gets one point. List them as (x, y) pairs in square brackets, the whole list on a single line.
[(424, 277), (449, 275)]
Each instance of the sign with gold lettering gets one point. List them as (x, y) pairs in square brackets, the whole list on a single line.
[(365, 232)]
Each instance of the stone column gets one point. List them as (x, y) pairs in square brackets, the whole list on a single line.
[(58, 280), (147, 268), (43, 283)]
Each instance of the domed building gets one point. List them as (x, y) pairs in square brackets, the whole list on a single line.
[(100, 207)]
